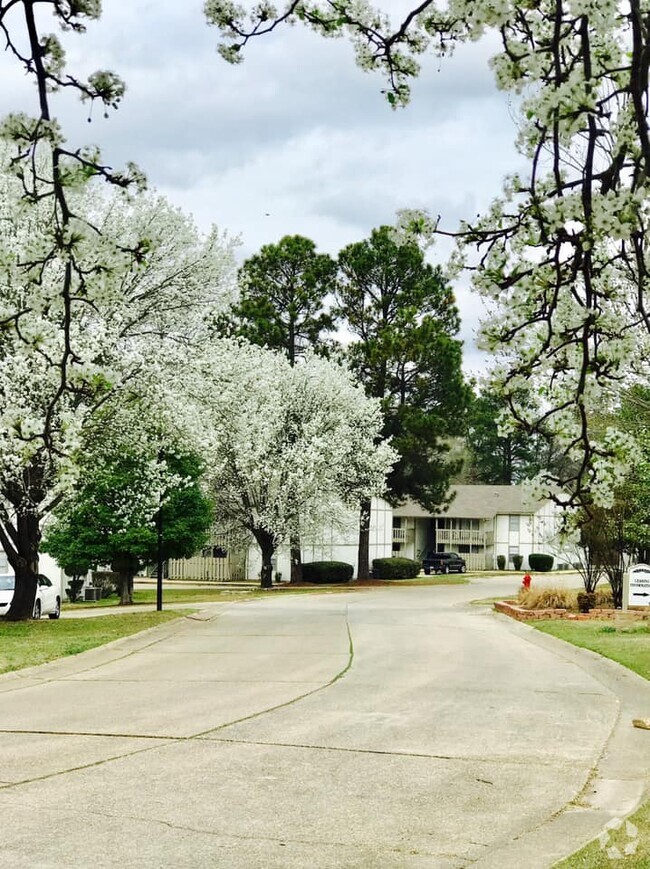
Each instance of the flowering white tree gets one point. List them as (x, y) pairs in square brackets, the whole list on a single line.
[(563, 254), (45, 271), (62, 360), (284, 446)]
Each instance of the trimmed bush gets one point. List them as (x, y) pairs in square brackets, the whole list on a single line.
[(501, 562), (73, 591), (540, 561), (395, 568), (586, 601), (321, 572), (517, 561)]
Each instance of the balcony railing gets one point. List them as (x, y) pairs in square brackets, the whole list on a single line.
[(399, 535), (456, 536)]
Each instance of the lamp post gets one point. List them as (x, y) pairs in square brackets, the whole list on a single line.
[(160, 554), (159, 574)]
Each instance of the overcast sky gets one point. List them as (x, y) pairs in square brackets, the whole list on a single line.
[(296, 139)]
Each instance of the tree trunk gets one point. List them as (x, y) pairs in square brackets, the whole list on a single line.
[(25, 564), (125, 566), (363, 567), (267, 546), (296, 560), (124, 583)]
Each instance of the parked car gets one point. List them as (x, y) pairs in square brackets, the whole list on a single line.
[(443, 562), (48, 600)]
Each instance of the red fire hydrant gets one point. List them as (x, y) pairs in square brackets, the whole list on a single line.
[(526, 581)]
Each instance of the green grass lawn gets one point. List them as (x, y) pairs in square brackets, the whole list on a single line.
[(170, 596), (211, 595), (594, 856), (442, 579), (629, 645), (24, 644)]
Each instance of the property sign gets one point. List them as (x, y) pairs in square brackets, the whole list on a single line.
[(637, 588)]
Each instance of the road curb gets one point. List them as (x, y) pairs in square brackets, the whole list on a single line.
[(619, 781)]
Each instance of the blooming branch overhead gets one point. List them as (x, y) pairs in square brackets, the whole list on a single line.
[(562, 255)]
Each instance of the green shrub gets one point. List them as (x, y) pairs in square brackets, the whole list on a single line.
[(395, 568), (320, 572), (586, 601), (517, 561), (73, 590), (540, 561), (501, 562), (107, 581)]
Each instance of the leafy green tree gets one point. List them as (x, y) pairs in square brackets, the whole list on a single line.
[(283, 305), (503, 456), (635, 418), (403, 316), (106, 521)]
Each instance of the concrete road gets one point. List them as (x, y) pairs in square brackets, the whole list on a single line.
[(384, 728)]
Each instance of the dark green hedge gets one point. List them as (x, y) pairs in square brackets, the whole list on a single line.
[(395, 568), (540, 561), (327, 571)]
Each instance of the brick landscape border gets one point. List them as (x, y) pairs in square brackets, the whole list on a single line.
[(510, 608)]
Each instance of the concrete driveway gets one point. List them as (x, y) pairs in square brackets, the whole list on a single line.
[(391, 727)]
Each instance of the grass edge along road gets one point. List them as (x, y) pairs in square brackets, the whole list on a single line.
[(210, 595), (27, 644), (629, 645)]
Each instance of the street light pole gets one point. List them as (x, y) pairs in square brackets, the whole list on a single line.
[(159, 576), (160, 547)]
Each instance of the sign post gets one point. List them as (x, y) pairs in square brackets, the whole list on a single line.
[(636, 586)]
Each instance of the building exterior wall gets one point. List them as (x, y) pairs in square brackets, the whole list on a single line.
[(342, 545), (479, 541), (336, 544)]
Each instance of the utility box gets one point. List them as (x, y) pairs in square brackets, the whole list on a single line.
[(92, 593)]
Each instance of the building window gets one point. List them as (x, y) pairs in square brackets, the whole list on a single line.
[(514, 523)]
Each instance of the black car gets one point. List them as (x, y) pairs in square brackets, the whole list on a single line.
[(443, 562)]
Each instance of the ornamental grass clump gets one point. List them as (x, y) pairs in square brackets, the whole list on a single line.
[(604, 598), (547, 598)]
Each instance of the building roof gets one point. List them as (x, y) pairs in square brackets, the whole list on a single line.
[(477, 502)]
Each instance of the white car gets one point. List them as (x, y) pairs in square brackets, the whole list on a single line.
[(48, 600)]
